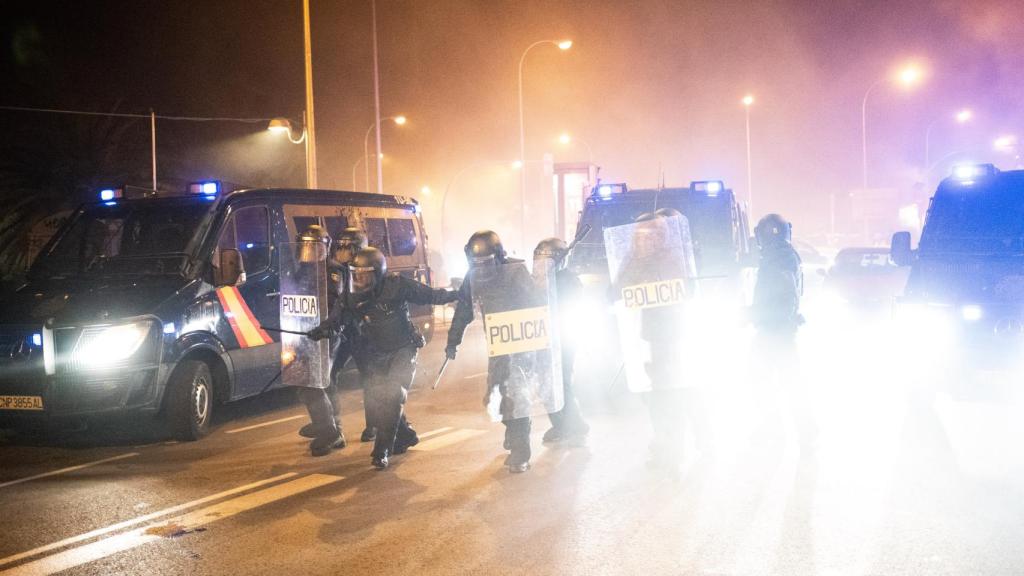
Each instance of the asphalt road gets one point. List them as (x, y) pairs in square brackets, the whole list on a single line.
[(900, 483)]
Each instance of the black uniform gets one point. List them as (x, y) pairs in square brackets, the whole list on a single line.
[(509, 287), (776, 316), (388, 344)]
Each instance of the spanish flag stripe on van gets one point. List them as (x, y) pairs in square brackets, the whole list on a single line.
[(243, 324)]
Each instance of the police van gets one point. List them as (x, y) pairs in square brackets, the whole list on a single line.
[(721, 247), (963, 304), (159, 304), (718, 225)]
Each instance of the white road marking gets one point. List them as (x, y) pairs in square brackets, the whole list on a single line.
[(471, 376), (270, 423), (190, 521), (69, 469), (446, 440), (435, 432), (141, 519)]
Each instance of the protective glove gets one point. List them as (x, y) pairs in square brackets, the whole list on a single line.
[(320, 332), (450, 351)]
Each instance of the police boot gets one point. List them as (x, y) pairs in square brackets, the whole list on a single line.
[(405, 438), (323, 446), (369, 434), (380, 459), (518, 436)]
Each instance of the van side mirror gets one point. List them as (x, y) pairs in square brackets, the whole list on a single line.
[(231, 270), (900, 250)]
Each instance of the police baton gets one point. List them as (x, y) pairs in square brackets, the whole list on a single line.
[(441, 373), (282, 331)]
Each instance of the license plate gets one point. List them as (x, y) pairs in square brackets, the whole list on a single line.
[(21, 402)]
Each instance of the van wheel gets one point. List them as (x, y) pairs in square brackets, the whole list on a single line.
[(190, 400)]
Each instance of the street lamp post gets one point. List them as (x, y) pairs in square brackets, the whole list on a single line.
[(562, 45), (748, 101), (909, 76), (309, 131), (400, 120)]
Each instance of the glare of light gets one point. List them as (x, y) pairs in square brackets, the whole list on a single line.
[(714, 188), (400, 120), (565, 138), (425, 190), (287, 357), (910, 75), (104, 346), (106, 195), (279, 125), (604, 191), (971, 312), (37, 339), (965, 171), (517, 164), (456, 265), (748, 100), (380, 156), (964, 115), (1005, 143), (209, 187), (169, 328), (565, 44)]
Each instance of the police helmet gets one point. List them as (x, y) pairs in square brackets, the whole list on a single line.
[(309, 241), (773, 229), (350, 241), (650, 235), (484, 246), (368, 268), (552, 249)]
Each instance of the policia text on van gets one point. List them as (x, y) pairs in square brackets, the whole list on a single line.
[(158, 304)]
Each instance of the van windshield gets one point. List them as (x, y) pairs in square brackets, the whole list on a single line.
[(132, 237), (981, 222)]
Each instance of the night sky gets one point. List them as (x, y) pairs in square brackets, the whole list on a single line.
[(653, 86)]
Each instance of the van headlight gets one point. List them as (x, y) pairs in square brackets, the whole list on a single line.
[(108, 345)]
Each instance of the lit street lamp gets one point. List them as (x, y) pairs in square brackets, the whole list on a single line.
[(566, 139), (961, 117), (562, 45), (284, 126), (748, 101), (399, 120), (356, 165), (908, 77)]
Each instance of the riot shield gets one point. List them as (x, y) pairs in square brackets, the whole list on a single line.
[(303, 305), (652, 274), (522, 339)]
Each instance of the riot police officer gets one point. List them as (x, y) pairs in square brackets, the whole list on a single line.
[(510, 287), (549, 265), (324, 427), (775, 313), (389, 343), (350, 241)]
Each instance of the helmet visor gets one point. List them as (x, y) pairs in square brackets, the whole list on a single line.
[(363, 279)]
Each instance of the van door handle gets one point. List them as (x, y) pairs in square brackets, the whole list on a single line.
[(273, 294)]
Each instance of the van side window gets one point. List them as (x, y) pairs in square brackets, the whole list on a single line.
[(248, 231), (377, 234), (402, 236), (303, 222), (335, 224)]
